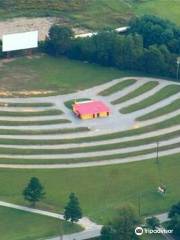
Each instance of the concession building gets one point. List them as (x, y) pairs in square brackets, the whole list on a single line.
[(90, 109)]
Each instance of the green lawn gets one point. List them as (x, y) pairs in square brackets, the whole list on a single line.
[(161, 111), (163, 8), (46, 75), (162, 94), (56, 74), (91, 14), (101, 190), (139, 91), (20, 225), (117, 87)]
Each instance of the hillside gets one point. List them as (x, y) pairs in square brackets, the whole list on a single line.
[(92, 14), (83, 12)]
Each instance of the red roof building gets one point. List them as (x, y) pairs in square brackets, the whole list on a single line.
[(91, 109)]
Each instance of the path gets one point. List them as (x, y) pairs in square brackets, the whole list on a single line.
[(91, 229), (163, 217)]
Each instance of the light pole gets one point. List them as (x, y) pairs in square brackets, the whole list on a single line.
[(139, 204), (157, 152), (157, 161), (178, 64)]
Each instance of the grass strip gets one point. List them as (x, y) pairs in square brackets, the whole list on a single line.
[(33, 123), (41, 132), (161, 111), (37, 104), (117, 87), (30, 113), (135, 93), (157, 97)]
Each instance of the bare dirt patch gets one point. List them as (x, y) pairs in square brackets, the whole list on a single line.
[(41, 24), (28, 24)]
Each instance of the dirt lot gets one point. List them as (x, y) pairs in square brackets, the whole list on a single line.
[(29, 24)]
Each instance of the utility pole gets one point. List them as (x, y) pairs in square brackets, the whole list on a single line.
[(157, 152), (157, 161), (178, 65), (139, 204)]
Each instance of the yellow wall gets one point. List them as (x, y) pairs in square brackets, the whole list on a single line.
[(103, 114), (86, 116), (90, 116)]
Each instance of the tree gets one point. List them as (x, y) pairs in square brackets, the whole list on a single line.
[(152, 222), (174, 215), (153, 60), (125, 223), (122, 226), (107, 232), (174, 224), (175, 209), (155, 30), (34, 191), (73, 211), (59, 40)]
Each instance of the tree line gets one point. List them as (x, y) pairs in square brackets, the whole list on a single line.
[(151, 45)]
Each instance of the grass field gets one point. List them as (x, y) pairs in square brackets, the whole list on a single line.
[(54, 74), (101, 190), (58, 75), (163, 8), (92, 14), (19, 225)]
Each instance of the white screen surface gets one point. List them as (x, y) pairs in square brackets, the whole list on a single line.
[(19, 41)]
